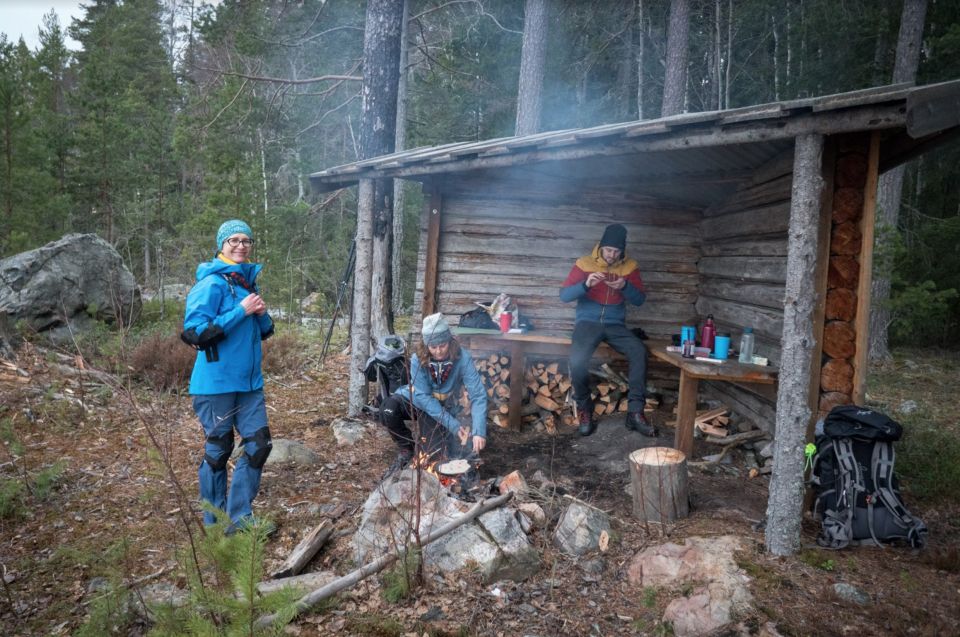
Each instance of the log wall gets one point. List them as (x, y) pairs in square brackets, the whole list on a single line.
[(742, 275), (523, 242)]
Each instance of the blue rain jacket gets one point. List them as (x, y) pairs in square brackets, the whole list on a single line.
[(426, 393), (214, 302)]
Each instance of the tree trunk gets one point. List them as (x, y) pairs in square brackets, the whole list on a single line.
[(641, 40), (381, 76), (891, 184), (532, 59), (675, 75), (378, 116), (401, 143), (785, 502), (360, 315)]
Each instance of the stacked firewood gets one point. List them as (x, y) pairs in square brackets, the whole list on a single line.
[(494, 371), (548, 396), (712, 422)]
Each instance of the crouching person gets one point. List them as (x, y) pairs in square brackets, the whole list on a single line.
[(225, 321), (438, 370)]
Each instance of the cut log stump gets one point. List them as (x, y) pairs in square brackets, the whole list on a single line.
[(660, 487)]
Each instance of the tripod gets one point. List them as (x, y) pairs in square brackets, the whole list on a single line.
[(341, 292)]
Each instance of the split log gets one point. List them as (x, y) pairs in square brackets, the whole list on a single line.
[(660, 488), (710, 415), (305, 550), (736, 439), (308, 601), (546, 402), (839, 339)]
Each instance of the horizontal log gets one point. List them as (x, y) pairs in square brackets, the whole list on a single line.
[(765, 321), (769, 269), (760, 412), (754, 221), (773, 191), (771, 246), (770, 295)]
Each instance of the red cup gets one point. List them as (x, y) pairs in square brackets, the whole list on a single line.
[(505, 320)]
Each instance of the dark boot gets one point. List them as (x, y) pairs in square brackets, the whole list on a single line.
[(585, 414), (636, 421)]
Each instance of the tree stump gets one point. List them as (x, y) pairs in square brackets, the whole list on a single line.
[(660, 491)]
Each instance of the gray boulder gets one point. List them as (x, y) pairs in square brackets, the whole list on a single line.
[(292, 452), (75, 279), (580, 528)]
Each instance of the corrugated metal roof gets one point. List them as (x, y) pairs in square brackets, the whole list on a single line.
[(709, 144)]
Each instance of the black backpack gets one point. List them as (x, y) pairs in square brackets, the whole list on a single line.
[(388, 367), (858, 495)]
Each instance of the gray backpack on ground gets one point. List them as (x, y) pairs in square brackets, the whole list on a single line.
[(858, 495)]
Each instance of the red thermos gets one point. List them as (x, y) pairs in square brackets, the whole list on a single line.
[(708, 333), (506, 318)]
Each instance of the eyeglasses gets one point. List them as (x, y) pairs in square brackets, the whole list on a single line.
[(234, 242)]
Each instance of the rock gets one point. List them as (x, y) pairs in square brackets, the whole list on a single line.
[(907, 407), (513, 483), (495, 544), (722, 592), (520, 559), (525, 522), (9, 339), (348, 431), (77, 278), (851, 593), (292, 452), (592, 567), (580, 527), (98, 585), (766, 451), (158, 594), (715, 457), (534, 512)]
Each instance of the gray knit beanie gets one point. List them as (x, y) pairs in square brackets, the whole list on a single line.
[(436, 330)]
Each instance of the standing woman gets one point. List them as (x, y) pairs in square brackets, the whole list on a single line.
[(438, 370), (225, 322)]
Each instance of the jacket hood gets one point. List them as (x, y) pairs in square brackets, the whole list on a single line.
[(595, 263), (216, 267)]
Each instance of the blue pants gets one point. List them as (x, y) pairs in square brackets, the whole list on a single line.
[(220, 414), (587, 337)]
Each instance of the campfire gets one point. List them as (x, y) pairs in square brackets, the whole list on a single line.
[(458, 476)]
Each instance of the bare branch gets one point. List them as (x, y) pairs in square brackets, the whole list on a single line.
[(480, 6), (280, 80)]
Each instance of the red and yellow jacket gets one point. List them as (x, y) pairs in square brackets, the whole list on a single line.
[(601, 303)]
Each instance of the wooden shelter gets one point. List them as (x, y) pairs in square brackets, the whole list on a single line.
[(761, 216)]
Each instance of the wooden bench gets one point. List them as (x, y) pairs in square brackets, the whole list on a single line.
[(518, 347), (692, 371)]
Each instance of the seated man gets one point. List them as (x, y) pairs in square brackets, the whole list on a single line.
[(438, 371), (601, 283)]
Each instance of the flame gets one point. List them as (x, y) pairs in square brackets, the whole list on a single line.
[(428, 463)]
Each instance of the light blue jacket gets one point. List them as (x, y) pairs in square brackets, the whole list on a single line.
[(424, 390), (213, 305)]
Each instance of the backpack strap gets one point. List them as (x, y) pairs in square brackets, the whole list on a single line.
[(838, 523), (884, 457)]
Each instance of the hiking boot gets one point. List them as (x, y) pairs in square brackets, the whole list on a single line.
[(585, 414), (636, 421), (401, 462)]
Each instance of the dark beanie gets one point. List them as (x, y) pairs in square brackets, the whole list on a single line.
[(614, 236)]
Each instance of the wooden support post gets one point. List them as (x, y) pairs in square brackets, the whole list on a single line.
[(660, 487), (867, 225), (686, 412), (434, 207), (785, 502)]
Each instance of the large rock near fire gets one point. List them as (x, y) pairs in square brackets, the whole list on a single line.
[(494, 543), (74, 279), (581, 528)]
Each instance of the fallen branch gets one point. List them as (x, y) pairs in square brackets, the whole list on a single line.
[(334, 587), (305, 550), (737, 439)]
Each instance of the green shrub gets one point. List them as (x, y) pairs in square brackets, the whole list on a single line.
[(45, 481), (398, 582), (928, 462), (12, 498), (164, 361)]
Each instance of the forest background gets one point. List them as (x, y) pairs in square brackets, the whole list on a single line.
[(175, 115)]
